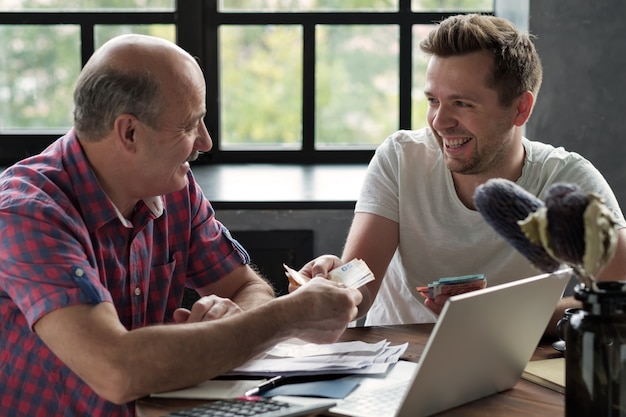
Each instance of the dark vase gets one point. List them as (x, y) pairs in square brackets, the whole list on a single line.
[(595, 360)]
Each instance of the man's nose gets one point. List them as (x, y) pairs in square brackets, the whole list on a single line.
[(204, 142), (443, 118)]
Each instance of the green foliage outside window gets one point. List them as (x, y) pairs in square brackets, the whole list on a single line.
[(32, 5), (39, 64), (261, 74), (261, 85)]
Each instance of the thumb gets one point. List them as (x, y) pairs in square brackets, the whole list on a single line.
[(181, 315)]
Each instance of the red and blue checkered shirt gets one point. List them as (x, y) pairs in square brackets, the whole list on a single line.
[(62, 243)]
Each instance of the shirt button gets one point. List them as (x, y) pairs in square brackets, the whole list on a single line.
[(137, 291), (79, 272)]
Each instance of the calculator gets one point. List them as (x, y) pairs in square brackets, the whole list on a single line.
[(256, 406)]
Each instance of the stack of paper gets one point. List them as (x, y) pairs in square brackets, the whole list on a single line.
[(295, 357)]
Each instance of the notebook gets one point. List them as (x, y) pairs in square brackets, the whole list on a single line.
[(549, 373), (479, 346)]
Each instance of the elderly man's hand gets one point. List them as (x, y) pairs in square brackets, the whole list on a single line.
[(207, 308), (320, 311)]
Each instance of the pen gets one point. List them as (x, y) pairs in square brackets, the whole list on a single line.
[(264, 386)]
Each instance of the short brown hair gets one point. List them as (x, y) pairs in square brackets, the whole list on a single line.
[(517, 67)]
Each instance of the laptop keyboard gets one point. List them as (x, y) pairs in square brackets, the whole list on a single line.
[(238, 407), (383, 402)]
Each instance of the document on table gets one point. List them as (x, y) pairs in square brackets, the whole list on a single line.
[(295, 357)]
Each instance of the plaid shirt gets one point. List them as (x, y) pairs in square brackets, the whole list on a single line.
[(64, 243)]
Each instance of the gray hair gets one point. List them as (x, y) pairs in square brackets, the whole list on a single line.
[(103, 93)]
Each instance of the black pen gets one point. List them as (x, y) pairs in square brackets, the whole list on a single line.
[(265, 385)]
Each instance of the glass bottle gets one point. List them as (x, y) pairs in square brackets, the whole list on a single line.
[(595, 359)]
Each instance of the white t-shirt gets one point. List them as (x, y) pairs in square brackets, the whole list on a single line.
[(408, 182)]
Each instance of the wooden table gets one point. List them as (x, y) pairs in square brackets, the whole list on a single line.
[(524, 399)]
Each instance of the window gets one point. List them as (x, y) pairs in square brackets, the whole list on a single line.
[(299, 81)]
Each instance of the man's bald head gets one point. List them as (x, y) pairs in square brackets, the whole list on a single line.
[(128, 75), (137, 53)]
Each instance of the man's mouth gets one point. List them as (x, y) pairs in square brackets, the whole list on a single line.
[(455, 143), (194, 155)]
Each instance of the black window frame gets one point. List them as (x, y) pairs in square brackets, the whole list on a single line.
[(197, 25)]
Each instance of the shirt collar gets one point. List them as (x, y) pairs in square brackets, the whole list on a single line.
[(154, 204), (91, 194)]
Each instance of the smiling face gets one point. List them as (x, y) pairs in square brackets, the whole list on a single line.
[(154, 93), (163, 153), (477, 135)]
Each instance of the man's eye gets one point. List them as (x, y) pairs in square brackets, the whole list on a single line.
[(198, 124), (191, 127)]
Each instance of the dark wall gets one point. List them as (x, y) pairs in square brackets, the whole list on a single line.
[(582, 103)]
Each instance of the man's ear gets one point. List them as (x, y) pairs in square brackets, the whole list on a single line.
[(524, 105), (125, 126)]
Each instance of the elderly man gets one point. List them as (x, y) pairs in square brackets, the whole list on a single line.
[(101, 233)]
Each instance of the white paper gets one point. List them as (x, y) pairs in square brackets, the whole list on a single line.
[(299, 358), (298, 350)]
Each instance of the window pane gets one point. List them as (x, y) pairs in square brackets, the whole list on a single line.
[(103, 33), (39, 68), (453, 5), (306, 5), (356, 80), (419, 105), (67, 5), (261, 86)]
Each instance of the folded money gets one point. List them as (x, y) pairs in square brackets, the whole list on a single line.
[(453, 285), (353, 274)]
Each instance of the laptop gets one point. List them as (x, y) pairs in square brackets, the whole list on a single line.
[(479, 346)]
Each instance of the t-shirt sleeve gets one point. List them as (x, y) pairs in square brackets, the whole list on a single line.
[(380, 190), (571, 167)]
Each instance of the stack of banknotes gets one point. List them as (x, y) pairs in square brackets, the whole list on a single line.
[(353, 274), (453, 285)]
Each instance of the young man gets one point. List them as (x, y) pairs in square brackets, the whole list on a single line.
[(102, 231), (415, 221)]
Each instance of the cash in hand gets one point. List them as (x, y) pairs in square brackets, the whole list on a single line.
[(353, 274)]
